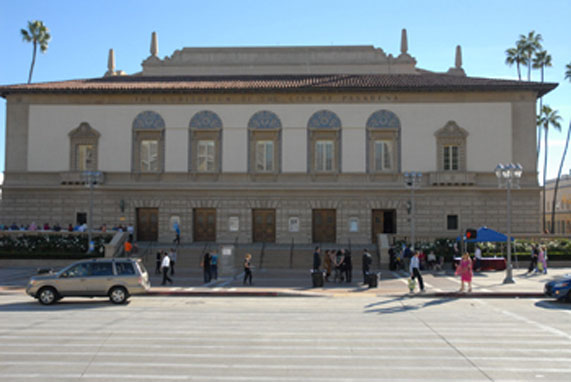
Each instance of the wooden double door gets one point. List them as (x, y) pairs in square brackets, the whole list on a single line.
[(324, 226), (383, 221), (147, 224), (264, 225), (204, 224)]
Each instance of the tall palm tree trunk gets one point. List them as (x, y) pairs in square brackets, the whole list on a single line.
[(557, 180), (518, 72), (539, 130), (33, 62), (544, 179)]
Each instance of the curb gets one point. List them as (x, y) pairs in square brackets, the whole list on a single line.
[(478, 295), (228, 293)]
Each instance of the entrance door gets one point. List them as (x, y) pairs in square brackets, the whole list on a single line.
[(147, 224), (264, 226), (324, 226), (204, 224), (384, 221)]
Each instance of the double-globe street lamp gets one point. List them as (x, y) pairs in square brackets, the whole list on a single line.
[(509, 176), (412, 181), (91, 178)]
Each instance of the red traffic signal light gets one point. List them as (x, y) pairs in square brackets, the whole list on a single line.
[(471, 233)]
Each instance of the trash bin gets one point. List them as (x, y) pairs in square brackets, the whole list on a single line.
[(317, 278), (372, 280)]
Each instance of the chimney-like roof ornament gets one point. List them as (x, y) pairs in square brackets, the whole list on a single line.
[(154, 45), (457, 69), (110, 64), (403, 42)]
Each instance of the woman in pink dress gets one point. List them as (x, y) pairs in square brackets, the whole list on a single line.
[(542, 261), (464, 269)]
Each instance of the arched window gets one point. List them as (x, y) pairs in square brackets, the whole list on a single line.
[(383, 142), (451, 147), (148, 143), (84, 142), (205, 141), (264, 143), (324, 143)]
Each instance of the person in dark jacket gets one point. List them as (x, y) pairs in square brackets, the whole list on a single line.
[(367, 261), (348, 267), (316, 259), (206, 261)]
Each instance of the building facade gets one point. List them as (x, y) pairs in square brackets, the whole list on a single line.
[(245, 145), (562, 221)]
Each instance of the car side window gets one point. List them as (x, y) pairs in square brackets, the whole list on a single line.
[(80, 270), (101, 269), (124, 269)]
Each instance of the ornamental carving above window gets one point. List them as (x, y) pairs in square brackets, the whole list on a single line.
[(205, 119), (383, 119), (148, 120), (264, 120), (324, 119)]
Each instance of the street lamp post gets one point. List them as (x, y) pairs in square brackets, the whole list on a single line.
[(508, 176), (91, 178), (412, 181)]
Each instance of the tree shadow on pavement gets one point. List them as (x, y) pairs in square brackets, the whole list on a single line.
[(402, 307), (34, 306)]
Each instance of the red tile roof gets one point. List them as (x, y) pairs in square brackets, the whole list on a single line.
[(424, 81)]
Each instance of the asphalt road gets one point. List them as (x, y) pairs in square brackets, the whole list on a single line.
[(362, 338)]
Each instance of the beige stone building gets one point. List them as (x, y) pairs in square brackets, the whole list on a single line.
[(273, 144), (562, 224)]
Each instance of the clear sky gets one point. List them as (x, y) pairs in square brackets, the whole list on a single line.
[(84, 31)]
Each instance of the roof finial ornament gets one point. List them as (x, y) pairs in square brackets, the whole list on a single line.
[(154, 45), (403, 42), (458, 61), (110, 64)]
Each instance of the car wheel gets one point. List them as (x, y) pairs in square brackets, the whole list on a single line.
[(118, 295), (47, 296)]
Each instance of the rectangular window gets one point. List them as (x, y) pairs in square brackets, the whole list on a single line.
[(205, 159), (324, 156), (149, 156), (452, 222), (383, 155), (451, 158), (264, 156), (85, 157)]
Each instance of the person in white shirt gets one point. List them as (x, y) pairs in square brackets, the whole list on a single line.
[(478, 256), (415, 270), (165, 265)]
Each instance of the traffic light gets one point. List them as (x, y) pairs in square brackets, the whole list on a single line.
[(471, 233)]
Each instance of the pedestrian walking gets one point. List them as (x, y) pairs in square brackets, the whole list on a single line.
[(172, 256), (128, 246), (478, 258), (248, 269), (328, 261), (348, 267), (165, 265), (414, 269), (533, 259), (464, 270), (542, 260), (339, 265), (316, 259), (367, 261), (158, 261), (214, 265), (206, 267), (131, 232)]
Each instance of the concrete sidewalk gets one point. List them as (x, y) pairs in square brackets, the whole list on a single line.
[(295, 282), (286, 282)]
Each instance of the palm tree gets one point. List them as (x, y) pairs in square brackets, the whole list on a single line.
[(541, 60), (37, 33), (529, 45), (568, 71), (554, 204), (548, 118), (514, 56)]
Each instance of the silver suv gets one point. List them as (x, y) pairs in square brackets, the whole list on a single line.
[(115, 278)]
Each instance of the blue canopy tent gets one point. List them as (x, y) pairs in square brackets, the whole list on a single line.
[(486, 234)]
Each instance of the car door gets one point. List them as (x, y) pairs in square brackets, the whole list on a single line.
[(73, 281), (100, 279)]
